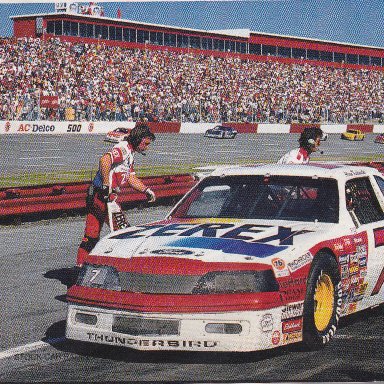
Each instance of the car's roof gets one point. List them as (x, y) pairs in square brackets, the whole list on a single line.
[(325, 170)]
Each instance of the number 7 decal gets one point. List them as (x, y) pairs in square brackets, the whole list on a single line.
[(96, 273)]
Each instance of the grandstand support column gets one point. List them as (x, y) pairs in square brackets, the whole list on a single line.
[(39, 106)]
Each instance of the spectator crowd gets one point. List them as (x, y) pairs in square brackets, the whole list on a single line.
[(98, 82)]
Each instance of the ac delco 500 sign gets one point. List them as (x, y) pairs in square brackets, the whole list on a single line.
[(43, 128)]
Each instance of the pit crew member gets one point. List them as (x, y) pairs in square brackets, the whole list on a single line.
[(309, 142), (115, 170)]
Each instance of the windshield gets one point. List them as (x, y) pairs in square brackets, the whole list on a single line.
[(259, 197)]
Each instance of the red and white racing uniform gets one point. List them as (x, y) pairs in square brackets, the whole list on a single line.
[(296, 156), (122, 156)]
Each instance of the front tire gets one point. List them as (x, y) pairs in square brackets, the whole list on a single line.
[(322, 305)]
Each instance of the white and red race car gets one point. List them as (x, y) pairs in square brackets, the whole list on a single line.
[(251, 258), (116, 135)]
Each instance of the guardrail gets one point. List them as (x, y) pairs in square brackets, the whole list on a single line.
[(24, 201)]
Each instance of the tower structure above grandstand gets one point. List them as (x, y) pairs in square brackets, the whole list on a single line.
[(81, 23)]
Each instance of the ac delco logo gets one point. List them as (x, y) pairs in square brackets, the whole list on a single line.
[(36, 128), (7, 126)]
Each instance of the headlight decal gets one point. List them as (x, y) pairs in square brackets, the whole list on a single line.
[(99, 276), (237, 282)]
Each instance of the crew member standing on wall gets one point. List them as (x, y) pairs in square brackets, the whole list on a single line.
[(115, 171), (309, 142)]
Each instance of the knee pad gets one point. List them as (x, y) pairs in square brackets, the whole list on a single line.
[(88, 243)]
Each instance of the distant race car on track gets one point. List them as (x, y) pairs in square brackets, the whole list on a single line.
[(324, 137), (252, 258), (379, 138), (353, 135), (117, 135), (221, 132)]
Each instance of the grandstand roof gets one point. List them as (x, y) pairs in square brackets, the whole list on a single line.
[(242, 33)]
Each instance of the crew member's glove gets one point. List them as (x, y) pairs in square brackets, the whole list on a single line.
[(151, 197), (104, 194)]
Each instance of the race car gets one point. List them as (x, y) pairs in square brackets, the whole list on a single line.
[(353, 135), (324, 137), (221, 132), (251, 258), (379, 138), (116, 135)]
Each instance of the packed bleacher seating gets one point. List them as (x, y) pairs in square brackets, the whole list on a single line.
[(97, 82)]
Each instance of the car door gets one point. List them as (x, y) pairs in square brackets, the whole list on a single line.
[(366, 268)]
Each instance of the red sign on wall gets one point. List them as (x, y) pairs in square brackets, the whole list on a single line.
[(49, 101)]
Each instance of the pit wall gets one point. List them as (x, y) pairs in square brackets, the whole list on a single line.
[(102, 127)]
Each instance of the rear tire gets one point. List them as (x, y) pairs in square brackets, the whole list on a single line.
[(322, 305)]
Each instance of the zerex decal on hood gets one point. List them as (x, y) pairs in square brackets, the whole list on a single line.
[(247, 232), (229, 246)]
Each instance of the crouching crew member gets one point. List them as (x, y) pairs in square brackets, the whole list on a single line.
[(115, 171)]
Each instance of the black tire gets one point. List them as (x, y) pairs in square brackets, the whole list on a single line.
[(322, 305)]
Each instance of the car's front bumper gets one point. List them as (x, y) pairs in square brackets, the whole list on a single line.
[(229, 331)]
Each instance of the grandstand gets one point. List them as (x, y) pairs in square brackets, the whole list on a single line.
[(78, 64)]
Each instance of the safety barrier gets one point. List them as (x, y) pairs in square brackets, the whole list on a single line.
[(24, 201), (102, 127)]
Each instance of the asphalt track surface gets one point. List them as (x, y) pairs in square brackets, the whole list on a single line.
[(37, 261), (57, 153)]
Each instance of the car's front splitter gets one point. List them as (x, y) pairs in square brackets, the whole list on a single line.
[(220, 332)]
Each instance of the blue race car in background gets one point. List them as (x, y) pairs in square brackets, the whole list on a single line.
[(221, 132)]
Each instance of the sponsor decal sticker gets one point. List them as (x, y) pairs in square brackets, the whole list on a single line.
[(292, 310), (344, 259), (266, 323), (279, 267), (171, 251), (7, 126), (344, 271), (352, 307), (91, 126), (338, 247), (353, 269), (294, 325), (275, 337), (354, 258), (293, 337), (300, 262)]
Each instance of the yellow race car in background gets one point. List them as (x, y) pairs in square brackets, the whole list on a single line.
[(353, 134)]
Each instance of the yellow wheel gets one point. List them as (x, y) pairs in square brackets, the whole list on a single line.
[(324, 302), (323, 299)]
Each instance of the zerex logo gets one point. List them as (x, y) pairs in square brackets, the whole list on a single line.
[(246, 232)]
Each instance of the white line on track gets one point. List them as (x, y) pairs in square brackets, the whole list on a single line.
[(40, 157), (40, 165), (44, 149), (29, 347)]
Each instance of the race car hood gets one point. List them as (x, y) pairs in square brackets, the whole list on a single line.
[(241, 241)]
